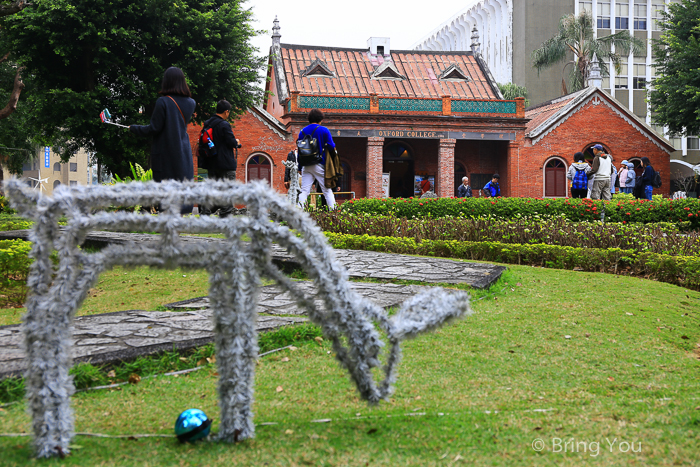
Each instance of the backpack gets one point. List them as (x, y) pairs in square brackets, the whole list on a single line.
[(206, 143), (309, 153), (580, 181), (656, 181)]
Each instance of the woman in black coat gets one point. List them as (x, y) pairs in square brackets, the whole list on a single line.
[(171, 155)]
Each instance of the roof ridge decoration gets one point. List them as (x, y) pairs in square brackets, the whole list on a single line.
[(453, 73), (388, 71), (318, 69), (578, 102)]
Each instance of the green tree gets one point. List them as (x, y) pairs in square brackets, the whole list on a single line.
[(87, 55), (675, 97), (511, 90), (576, 38)]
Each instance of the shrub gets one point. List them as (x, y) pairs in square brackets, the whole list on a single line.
[(625, 211), (679, 270), (11, 222), (14, 268), (656, 238)]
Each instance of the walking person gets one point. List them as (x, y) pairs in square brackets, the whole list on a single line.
[(647, 178), (578, 174), (464, 190), (314, 168), (291, 157), (601, 172), (492, 188), (171, 155), (223, 165)]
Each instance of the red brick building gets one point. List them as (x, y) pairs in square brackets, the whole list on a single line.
[(436, 115), (574, 123), (404, 113)]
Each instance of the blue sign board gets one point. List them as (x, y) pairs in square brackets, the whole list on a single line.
[(47, 155)]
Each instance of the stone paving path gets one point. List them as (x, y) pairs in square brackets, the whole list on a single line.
[(125, 335), (360, 264)]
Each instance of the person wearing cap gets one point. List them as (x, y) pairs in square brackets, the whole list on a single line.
[(601, 172), (622, 176), (631, 178), (426, 189), (492, 188), (464, 190)]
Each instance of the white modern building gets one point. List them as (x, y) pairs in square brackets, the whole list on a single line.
[(509, 30)]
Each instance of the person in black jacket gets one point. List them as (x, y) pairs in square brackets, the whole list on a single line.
[(171, 155), (647, 178), (223, 165)]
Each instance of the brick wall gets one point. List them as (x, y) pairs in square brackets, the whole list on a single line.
[(256, 138), (594, 123)]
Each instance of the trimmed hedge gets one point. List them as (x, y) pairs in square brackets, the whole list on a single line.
[(640, 211), (679, 270), (664, 238)]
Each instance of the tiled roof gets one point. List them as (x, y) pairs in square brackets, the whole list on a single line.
[(542, 112), (548, 115), (353, 69)]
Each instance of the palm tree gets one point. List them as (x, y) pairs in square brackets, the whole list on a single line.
[(576, 36)]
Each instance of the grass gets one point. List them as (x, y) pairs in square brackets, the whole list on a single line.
[(488, 385)]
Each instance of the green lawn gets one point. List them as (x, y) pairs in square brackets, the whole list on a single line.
[(488, 386)]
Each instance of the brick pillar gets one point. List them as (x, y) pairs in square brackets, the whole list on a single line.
[(375, 165), (293, 102), (520, 107), (513, 184), (446, 168), (446, 105), (373, 103)]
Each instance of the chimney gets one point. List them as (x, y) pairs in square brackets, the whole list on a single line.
[(379, 45), (276, 36), (476, 46)]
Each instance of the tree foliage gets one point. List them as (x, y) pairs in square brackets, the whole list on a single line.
[(576, 37), (511, 90), (87, 55), (675, 97)]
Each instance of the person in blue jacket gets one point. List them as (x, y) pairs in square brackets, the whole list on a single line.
[(316, 172), (492, 188)]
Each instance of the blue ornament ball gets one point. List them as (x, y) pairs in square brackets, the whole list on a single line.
[(191, 425)]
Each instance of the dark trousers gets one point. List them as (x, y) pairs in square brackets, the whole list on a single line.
[(579, 192), (224, 211)]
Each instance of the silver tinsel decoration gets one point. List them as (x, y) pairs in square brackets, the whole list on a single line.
[(294, 188), (235, 268)]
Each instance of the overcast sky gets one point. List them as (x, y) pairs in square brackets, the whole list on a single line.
[(350, 24)]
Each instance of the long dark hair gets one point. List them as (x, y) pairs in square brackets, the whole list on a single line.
[(645, 161), (174, 83)]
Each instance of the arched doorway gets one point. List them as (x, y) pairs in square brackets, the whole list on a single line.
[(259, 167), (638, 169), (398, 162), (555, 178), (460, 172)]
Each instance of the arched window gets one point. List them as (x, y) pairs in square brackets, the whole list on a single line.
[(555, 179), (398, 150), (460, 172), (258, 167), (55, 184), (57, 167)]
